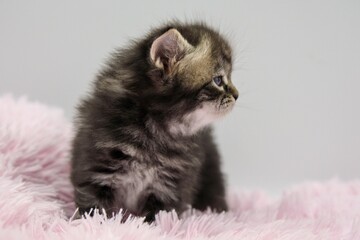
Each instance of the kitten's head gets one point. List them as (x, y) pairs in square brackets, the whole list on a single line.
[(191, 73), (180, 75)]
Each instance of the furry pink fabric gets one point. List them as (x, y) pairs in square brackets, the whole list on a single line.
[(36, 195)]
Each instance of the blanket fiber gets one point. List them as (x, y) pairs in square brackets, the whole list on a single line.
[(36, 195)]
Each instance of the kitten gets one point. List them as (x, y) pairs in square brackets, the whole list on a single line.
[(143, 140)]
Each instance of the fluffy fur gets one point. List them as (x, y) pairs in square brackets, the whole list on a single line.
[(143, 140), (36, 196)]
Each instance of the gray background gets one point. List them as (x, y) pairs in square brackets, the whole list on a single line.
[(297, 70)]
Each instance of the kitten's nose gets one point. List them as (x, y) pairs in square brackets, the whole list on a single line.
[(235, 95), (232, 90)]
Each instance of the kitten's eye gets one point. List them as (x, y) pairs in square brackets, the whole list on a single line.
[(218, 80)]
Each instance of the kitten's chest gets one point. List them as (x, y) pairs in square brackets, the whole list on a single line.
[(169, 178)]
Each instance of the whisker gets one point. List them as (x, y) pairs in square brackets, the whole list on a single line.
[(245, 107)]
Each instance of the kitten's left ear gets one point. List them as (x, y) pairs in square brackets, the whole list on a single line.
[(168, 49)]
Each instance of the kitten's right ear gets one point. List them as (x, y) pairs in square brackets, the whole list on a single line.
[(168, 49)]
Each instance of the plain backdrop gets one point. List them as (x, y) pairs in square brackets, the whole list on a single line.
[(297, 70)]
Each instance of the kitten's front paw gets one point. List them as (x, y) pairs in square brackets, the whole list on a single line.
[(152, 206)]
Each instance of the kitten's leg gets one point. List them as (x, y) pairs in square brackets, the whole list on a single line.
[(93, 197), (92, 171), (211, 191), (152, 206)]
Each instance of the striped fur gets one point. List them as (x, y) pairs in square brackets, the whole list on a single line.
[(143, 139)]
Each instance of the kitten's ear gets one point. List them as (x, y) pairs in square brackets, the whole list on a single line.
[(169, 48)]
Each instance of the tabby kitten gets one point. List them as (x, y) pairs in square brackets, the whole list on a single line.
[(143, 140)]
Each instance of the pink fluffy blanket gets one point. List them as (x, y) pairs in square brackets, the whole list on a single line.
[(36, 195)]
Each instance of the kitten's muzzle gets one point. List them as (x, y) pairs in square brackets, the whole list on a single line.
[(232, 90)]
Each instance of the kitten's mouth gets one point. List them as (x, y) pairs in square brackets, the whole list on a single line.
[(226, 105), (204, 115)]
